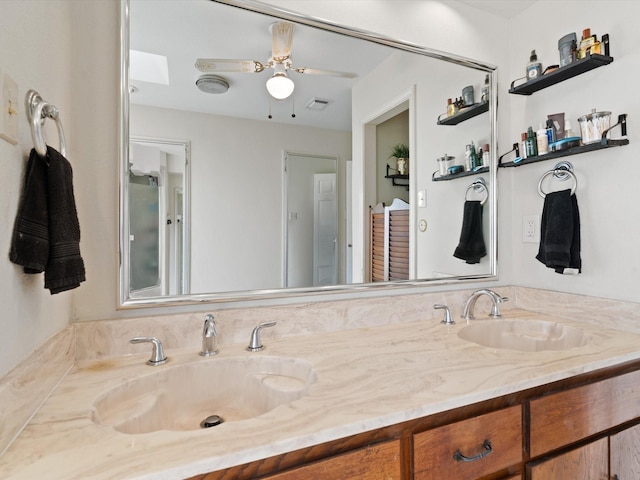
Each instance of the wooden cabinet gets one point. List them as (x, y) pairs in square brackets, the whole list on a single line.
[(565, 417), (625, 454), (471, 448), (375, 462), (590, 462)]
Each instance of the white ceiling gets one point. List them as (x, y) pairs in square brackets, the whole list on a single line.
[(186, 30)]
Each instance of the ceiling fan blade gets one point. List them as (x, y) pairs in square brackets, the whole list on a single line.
[(332, 73), (208, 65), (282, 37)]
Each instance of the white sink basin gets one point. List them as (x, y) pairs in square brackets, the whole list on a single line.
[(181, 397), (524, 335)]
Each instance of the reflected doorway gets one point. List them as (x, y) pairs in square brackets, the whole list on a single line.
[(311, 220)]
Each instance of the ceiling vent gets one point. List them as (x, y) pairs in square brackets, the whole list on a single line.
[(212, 84), (318, 104)]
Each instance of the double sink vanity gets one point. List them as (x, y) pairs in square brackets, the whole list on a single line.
[(512, 397)]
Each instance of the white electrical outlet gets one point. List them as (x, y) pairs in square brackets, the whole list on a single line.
[(531, 228), (8, 109)]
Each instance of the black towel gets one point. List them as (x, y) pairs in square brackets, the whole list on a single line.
[(560, 233), (471, 247), (30, 241), (46, 232)]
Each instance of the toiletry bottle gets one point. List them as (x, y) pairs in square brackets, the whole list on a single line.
[(542, 140), (523, 137), (534, 67), (551, 134), (568, 131), (485, 90), (585, 44), (473, 157), (467, 158), (532, 144), (451, 109), (485, 155)]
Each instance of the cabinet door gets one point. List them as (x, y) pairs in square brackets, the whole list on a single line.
[(375, 462), (625, 454), (590, 462), (565, 417), (471, 448)]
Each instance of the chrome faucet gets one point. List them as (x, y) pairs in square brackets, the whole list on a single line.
[(448, 319), (157, 355), (471, 303), (255, 344), (209, 337)]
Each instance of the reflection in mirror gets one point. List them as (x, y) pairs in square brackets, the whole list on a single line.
[(158, 223), (282, 192)]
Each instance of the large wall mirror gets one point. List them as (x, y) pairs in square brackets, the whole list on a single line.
[(232, 189)]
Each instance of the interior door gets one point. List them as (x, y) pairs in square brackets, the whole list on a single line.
[(325, 229)]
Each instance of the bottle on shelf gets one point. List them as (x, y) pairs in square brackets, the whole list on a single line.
[(589, 44), (523, 137), (534, 67), (485, 90), (467, 158), (531, 143), (542, 140), (451, 108), (474, 161)]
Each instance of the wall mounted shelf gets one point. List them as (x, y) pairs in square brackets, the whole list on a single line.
[(565, 153), (453, 176), (464, 114), (579, 67)]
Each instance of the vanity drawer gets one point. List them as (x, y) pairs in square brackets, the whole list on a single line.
[(380, 461), (565, 417), (435, 450)]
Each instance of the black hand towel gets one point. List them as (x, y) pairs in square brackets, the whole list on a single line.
[(30, 240), (47, 232), (65, 269), (560, 232), (471, 247)]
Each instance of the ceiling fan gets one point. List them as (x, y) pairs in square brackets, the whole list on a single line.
[(279, 85)]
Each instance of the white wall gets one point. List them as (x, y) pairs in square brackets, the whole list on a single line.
[(237, 178), (69, 51), (608, 179), (36, 53)]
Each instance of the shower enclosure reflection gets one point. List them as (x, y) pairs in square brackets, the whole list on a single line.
[(158, 218)]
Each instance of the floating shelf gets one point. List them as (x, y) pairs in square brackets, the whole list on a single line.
[(396, 178), (561, 74), (464, 114), (565, 153), (453, 176)]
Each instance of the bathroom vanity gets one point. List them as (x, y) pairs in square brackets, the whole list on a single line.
[(402, 401)]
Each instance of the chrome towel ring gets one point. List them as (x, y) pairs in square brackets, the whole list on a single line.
[(563, 171), (37, 112), (478, 186)]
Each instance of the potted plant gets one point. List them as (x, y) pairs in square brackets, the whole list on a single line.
[(401, 153)]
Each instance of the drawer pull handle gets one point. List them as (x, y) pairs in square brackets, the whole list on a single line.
[(458, 456)]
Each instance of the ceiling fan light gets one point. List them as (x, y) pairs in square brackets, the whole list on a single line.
[(280, 86)]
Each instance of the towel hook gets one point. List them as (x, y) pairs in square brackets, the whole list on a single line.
[(478, 186), (563, 171), (37, 112)]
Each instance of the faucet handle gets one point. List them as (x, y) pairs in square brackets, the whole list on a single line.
[(255, 344), (209, 330), (157, 354), (495, 309), (448, 319)]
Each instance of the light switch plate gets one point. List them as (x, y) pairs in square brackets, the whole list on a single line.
[(8, 109)]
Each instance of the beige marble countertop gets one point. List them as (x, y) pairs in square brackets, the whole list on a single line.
[(366, 378)]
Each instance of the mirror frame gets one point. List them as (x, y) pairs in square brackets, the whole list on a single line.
[(345, 291)]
